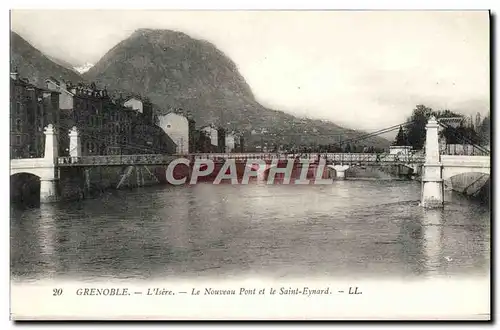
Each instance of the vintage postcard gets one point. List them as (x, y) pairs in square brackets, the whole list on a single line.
[(250, 165)]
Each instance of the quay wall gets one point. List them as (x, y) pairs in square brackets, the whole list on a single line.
[(84, 182), (382, 172), (475, 185)]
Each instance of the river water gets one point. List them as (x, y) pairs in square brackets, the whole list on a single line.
[(352, 228)]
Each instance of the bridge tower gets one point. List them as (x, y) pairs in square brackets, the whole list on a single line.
[(432, 180), (75, 147), (49, 179)]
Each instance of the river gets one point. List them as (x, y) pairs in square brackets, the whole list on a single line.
[(352, 228)]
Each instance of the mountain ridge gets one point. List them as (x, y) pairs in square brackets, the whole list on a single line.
[(175, 70), (34, 65)]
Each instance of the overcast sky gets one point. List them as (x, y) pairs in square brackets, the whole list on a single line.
[(363, 69)]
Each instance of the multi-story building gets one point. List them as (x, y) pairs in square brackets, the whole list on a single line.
[(31, 109), (230, 142), (192, 134), (221, 140), (106, 125), (177, 126), (141, 105), (211, 132)]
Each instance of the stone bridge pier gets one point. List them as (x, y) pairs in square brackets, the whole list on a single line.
[(339, 171), (432, 181), (49, 178)]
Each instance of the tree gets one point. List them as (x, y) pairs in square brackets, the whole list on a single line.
[(478, 122), (484, 131), (400, 138), (416, 128)]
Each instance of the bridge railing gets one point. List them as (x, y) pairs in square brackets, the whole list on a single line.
[(116, 160), (465, 150), (334, 157), (145, 159)]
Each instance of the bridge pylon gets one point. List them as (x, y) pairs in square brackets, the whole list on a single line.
[(432, 180), (49, 180), (75, 147)]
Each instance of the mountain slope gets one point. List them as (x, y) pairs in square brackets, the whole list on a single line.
[(175, 70), (34, 65), (62, 63)]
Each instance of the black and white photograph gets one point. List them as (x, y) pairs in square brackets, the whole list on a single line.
[(250, 165)]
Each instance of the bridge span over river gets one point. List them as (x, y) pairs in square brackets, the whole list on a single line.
[(436, 167)]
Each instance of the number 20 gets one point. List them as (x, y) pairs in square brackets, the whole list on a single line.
[(57, 292)]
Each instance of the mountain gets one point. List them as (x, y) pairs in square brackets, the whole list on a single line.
[(177, 71), (62, 63), (34, 65), (83, 68)]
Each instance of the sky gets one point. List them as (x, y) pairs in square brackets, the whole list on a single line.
[(360, 69)]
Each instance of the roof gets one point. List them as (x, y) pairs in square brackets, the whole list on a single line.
[(25, 82), (53, 79), (141, 98)]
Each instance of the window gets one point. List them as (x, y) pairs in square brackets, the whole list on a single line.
[(19, 127), (18, 139), (18, 109)]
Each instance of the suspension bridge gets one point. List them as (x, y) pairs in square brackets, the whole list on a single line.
[(436, 167)]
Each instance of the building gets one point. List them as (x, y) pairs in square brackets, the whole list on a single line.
[(105, 125), (230, 142), (177, 126), (192, 134), (401, 150), (31, 110), (211, 131), (202, 142), (141, 105), (221, 140)]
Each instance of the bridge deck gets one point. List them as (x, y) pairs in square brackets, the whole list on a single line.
[(155, 159)]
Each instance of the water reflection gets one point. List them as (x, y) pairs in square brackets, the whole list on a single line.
[(432, 223), (47, 238), (355, 229)]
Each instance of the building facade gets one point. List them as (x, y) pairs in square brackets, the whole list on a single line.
[(106, 125), (230, 142), (141, 105), (177, 127), (401, 150), (221, 140), (192, 134), (211, 131), (31, 110)]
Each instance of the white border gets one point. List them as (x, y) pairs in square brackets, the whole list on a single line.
[(184, 4)]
